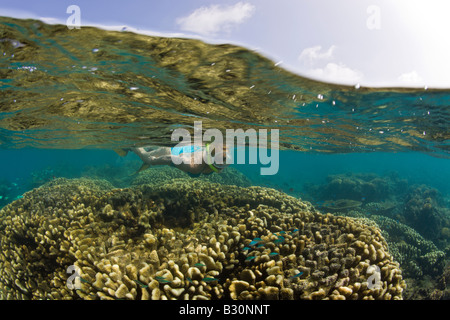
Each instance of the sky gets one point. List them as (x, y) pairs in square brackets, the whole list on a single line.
[(378, 43)]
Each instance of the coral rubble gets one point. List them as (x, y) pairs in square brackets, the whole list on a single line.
[(186, 239)]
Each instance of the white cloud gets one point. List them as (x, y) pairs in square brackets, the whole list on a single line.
[(336, 72), (214, 19), (320, 64), (411, 78), (310, 56)]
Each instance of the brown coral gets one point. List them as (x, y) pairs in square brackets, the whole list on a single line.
[(186, 240)]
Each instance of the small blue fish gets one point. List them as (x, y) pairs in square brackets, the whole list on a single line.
[(141, 284), (189, 279), (207, 279), (282, 232), (296, 275), (255, 241), (162, 280), (260, 245), (249, 258), (279, 240), (81, 290), (273, 254), (199, 265), (246, 248), (84, 280)]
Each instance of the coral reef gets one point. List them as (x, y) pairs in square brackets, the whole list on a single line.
[(384, 208), (424, 213), (157, 175), (41, 176), (187, 239), (417, 256), (442, 291), (120, 175), (418, 206), (341, 205), (229, 176), (427, 288), (421, 261), (365, 187), (161, 174)]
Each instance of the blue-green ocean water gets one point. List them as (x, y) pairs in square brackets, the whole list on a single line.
[(21, 169), (69, 98)]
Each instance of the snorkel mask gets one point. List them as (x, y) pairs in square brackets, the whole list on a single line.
[(216, 167)]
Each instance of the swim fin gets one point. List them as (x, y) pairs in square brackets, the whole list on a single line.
[(121, 152), (142, 168)]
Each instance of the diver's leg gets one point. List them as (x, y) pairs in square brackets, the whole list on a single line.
[(158, 156), (159, 152), (142, 153)]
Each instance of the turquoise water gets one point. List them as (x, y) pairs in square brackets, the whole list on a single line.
[(69, 99), (296, 169)]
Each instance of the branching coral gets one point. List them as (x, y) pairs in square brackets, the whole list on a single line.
[(188, 239)]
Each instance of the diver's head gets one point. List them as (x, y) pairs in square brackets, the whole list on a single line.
[(220, 158)]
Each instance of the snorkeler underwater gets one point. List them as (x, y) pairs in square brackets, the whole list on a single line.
[(244, 151), (197, 156)]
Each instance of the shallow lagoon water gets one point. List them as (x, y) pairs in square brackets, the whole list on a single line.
[(68, 99)]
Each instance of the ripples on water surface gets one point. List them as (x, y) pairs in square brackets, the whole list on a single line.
[(66, 88), (97, 89)]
